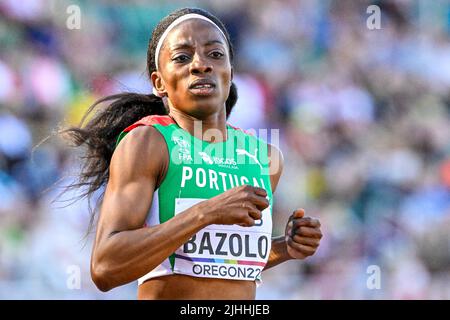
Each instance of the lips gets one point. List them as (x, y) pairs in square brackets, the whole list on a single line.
[(202, 87)]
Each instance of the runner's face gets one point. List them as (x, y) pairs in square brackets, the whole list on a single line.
[(194, 69)]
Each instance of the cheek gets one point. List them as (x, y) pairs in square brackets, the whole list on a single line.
[(226, 79), (175, 82), (226, 84), (172, 74)]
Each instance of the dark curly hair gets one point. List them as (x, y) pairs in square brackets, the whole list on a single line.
[(99, 134)]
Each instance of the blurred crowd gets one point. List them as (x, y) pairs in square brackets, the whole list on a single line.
[(363, 118)]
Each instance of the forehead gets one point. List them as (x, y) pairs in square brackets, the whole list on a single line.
[(193, 30)]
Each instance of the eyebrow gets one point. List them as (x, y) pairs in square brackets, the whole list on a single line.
[(185, 45)]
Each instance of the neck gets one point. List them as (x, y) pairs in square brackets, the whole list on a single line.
[(210, 129)]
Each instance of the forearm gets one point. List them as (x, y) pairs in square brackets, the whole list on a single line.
[(278, 253), (127, 255)]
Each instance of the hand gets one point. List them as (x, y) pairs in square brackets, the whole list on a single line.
[(302, 235), (240, 205)]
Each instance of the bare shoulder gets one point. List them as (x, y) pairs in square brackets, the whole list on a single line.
[(143, 151), (276, 163)]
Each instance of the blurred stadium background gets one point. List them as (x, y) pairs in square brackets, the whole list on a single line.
[(364, 119)]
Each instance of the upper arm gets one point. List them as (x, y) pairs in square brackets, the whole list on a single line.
[(276, 163), (137, 166)]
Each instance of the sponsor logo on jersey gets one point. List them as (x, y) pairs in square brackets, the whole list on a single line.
[(184, 149), (252, 156), (219, 161)]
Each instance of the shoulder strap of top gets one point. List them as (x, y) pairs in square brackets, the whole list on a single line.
[(146, 121)]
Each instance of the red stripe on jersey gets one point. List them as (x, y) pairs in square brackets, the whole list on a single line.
[(151, 120), (239, 129)]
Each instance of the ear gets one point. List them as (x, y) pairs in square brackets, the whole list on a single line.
[(158, 83)]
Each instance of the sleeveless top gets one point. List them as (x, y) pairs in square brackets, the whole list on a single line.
[(197, 171)]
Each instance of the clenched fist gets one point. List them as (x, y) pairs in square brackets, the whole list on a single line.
[(302, 235)]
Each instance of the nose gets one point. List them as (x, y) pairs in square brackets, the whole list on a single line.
[(200, 65)]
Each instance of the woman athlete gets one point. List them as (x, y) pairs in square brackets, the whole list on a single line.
[(182, 216)]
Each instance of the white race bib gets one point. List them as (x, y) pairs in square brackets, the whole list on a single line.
[(225, 251)]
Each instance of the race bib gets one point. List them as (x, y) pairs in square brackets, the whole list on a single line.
[(225, 251)]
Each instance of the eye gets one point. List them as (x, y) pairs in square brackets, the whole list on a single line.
[(216, 54), (181, 58)]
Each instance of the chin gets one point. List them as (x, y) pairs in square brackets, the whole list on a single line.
[(206, 108)]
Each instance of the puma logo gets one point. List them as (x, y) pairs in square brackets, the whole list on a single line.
[(245, 152)]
